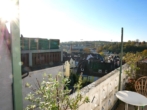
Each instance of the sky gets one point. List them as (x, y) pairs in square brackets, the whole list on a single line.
[(84, 20)]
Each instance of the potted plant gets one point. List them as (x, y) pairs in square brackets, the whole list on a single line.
[(131, 59)]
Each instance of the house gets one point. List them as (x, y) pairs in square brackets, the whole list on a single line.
[(42, 53)]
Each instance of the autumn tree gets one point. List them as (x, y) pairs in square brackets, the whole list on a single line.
[(144, 53), (102, 54), (86, 50), (99, 49), (131, 59)]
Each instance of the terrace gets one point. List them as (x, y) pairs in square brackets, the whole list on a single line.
[(101, 92)]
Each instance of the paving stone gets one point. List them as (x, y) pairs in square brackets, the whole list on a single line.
[(121, 106)]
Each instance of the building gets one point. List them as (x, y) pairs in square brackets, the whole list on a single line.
[(45, 53)]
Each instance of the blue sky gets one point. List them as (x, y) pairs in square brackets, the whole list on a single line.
[(73, 20)]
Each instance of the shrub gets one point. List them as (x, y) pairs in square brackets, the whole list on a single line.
[(53, 94), (131, 59)]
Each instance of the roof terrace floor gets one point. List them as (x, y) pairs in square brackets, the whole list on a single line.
[(121, 106)]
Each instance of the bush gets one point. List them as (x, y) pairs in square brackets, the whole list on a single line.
[(51, 94), (131, 59), (130, 85)]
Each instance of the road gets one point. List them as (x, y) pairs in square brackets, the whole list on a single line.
[(31, 79)]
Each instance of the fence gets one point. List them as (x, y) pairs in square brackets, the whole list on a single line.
[(143, 69)]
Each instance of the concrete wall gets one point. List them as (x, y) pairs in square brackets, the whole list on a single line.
[(102, 92), (5, 73)]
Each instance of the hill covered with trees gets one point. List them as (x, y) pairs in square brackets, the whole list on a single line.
[(114, 47), (130, 46)]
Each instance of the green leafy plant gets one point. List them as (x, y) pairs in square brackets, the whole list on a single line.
[(130, 85), (131, 59), (53, 94)]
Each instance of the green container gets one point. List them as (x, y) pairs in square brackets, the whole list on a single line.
[(54, 43), (43, 44), (25, 43), (33, 44), (95, 66), (21, 43)]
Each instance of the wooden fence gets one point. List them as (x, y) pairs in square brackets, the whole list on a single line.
[(142, 69)]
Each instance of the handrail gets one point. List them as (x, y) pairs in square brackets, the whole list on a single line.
[(27, 74)]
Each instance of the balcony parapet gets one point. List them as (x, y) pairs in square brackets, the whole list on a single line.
[(102, 92)]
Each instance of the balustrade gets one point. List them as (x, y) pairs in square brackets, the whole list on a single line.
[(102, 92)]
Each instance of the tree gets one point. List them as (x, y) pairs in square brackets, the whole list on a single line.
[(144, 53), (143, 42), (102, 54), (99, 49), (86, 50), (131, 59), (129, 41), (133, 43), (137, 40)]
